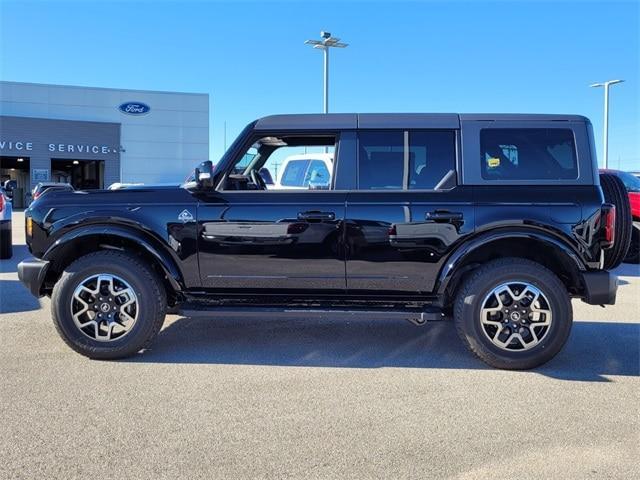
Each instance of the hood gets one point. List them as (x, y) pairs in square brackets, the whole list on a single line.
[(129, 186), (134, 194)]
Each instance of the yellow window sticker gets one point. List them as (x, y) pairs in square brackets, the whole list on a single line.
[(493, 162)]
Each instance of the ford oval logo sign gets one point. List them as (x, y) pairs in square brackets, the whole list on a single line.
[(134, 108)]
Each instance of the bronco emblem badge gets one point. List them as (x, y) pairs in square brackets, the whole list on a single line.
[(185, 216)]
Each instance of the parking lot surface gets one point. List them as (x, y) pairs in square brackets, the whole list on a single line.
[(328, 398)]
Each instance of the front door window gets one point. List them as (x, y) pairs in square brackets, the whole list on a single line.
[(293, 162)]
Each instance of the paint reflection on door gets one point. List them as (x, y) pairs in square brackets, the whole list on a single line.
[(397, 247), (283, 240)]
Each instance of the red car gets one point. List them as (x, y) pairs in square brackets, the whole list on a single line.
[(632, 183)]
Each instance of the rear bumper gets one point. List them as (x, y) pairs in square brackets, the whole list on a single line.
[(32, 272), (600, 287)]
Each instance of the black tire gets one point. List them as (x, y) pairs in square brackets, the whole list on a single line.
[(633, 255), (481, 282), (151, 296), (616, 193), (6, 245)]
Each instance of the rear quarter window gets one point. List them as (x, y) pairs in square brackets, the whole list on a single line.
[(528, 154)]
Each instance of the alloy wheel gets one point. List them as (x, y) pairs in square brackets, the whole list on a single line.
[(515, 316), (104, 307)]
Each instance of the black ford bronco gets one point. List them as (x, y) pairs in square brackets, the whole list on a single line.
[(496, 220)]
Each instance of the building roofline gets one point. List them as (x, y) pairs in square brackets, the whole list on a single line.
[(111, 89)]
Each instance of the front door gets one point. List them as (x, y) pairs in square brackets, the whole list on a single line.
[(272, 241), (275, 239)]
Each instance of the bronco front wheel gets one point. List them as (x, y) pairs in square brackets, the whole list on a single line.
[(108, 305)]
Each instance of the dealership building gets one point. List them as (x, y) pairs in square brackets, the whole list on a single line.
[(93, 137)]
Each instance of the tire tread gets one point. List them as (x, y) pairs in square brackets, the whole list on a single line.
[(134, 264), (470, 286)]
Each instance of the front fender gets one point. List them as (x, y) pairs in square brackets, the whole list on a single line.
[(459, 255), (164, 259)]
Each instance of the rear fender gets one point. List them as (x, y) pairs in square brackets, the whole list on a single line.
[(459, 257)]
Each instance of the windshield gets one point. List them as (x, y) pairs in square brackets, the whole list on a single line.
[(245, 161)]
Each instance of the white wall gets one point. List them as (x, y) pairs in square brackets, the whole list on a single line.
[(161, 146)]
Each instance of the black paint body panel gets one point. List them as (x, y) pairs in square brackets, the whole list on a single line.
[(249, 242), (341, 243)]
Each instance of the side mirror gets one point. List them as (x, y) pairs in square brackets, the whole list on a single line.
[(204, 174)]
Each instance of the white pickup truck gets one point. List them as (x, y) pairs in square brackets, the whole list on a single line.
[(305, 171)]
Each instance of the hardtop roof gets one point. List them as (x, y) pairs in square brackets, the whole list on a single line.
[(311, 121)]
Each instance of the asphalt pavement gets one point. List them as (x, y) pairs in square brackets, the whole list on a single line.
[(310, 398)]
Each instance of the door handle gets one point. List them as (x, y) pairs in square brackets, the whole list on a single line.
[(315, 215), (443, 216)]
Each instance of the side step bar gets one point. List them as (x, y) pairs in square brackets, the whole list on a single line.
[(416, 317)]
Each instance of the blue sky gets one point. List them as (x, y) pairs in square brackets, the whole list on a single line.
[(419, 56)]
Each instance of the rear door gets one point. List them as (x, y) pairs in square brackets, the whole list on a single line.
[(408, 211)]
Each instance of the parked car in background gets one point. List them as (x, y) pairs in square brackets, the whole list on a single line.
[(632, 185), (42, 187), (6, 247), (304, 171), (9, 187)]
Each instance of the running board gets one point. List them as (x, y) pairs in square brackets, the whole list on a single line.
[(416, 317)]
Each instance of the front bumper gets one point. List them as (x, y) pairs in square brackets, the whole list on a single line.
[(32, 272), (600, 287)]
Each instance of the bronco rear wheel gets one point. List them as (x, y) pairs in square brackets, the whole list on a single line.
[(108, 305), (513, 314)]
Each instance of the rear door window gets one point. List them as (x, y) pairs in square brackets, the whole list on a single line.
[(381, 160), (528, 154)]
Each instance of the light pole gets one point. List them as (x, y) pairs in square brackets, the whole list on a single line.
[(606, 116), (325, 44)]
